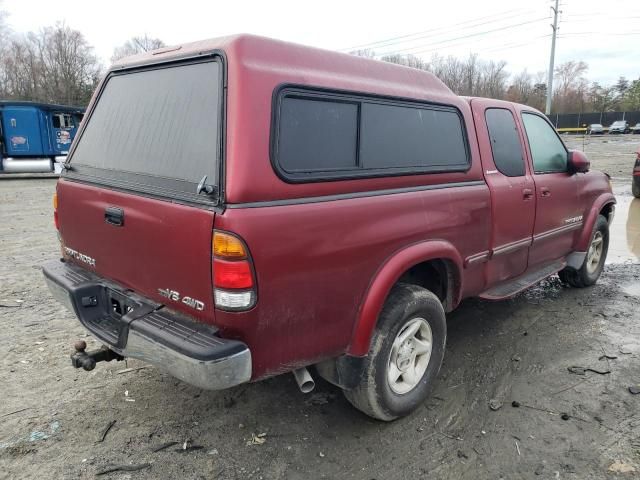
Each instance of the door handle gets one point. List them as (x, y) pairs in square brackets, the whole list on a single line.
[(545, 192), (114, 216), (527, 193)]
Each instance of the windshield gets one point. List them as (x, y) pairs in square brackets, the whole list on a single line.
[(619, 123), (154, 125)]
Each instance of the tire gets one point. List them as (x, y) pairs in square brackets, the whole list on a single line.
[(635, 188), (590, 270), (406, 307)]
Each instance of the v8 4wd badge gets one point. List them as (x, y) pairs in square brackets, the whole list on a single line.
[(175, 296)]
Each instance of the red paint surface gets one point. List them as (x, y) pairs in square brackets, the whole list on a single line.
[(161, 244), (323, 270), (510, 196)]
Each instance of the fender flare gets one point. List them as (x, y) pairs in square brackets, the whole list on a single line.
[(587, 226), (388, 274)]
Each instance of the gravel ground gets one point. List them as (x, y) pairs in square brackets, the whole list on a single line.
[(566, 425), (613, 154)]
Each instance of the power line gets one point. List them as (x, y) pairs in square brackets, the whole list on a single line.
[(511, 46), (416, 49), (419, 35), (570, 34), (595, 14), (421, 48)]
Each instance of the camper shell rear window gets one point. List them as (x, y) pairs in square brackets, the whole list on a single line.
[(320, 135), (156, 130)]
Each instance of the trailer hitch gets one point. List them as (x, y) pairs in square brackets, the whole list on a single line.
[(88, 360)]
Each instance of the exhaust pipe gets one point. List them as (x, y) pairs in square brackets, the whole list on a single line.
[(305, 382)]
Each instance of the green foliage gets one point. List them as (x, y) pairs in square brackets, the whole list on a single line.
[(631, 97)]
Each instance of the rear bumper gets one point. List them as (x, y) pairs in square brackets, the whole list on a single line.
[(136, 327)]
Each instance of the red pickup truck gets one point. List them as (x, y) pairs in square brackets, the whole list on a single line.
[(241, 207)]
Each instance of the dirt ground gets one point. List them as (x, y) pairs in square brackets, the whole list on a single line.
[(53, 418), (613, 154)]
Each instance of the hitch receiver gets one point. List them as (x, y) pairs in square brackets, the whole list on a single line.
[(88, 360)]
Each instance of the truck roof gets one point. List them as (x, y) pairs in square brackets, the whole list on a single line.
[(519, 106), (43, 106), (261, 54)]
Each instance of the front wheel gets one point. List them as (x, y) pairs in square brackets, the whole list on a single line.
[(406, 353), (593, 264)]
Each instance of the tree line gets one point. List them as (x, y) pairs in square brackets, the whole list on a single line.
[(573, 92), (58, 65), (55, 64)]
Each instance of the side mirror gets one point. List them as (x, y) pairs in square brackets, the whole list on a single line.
[(578, 162)]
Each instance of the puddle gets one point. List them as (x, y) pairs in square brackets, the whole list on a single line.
[(633, 289), (624, 241)]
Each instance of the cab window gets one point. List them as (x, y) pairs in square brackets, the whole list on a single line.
[(547, 150), (62, 120), (505, 142)]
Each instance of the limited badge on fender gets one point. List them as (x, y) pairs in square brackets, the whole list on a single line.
[(573, 219)]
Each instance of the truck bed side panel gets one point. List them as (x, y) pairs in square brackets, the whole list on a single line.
[(315, 261)]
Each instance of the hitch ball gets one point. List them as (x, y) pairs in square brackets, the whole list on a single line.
[(81, 359), (88, 360)]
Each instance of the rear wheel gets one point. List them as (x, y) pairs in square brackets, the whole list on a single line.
[(635, 188), (406, 353), (593, 264)]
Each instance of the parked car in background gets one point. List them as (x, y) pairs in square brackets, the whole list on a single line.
[(636, 128), (295, 207), (36, 137), (619, 126), (595, 128), (635, 184)]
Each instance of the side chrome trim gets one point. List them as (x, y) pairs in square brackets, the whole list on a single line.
[(511, 247), (476, 258), (347, 196), (556, 231)]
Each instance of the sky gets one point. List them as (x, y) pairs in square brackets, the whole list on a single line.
[(606, 35)]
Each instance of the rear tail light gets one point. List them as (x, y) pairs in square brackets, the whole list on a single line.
[(234, 285), (55, 211), (237, 301), (226, 245), (232, 275)]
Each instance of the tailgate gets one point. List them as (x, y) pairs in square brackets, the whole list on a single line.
[(161, 250), (137, 199)]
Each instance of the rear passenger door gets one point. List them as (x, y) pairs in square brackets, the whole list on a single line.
[(511, 185), (558, 212)]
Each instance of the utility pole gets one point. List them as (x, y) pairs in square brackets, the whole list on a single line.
[(552, 58)]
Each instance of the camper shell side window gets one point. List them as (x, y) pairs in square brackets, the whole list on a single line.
[(322, 135)]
